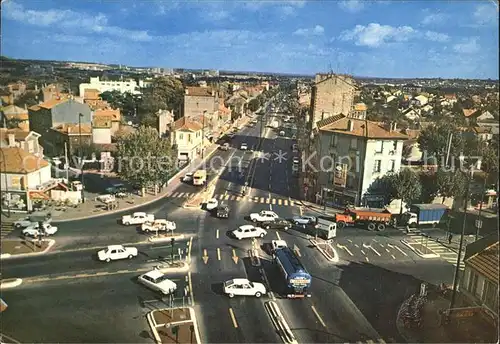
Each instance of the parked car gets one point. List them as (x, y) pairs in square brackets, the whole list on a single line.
[(158, 225), (276, 224), (31, 221), (116, 252), (158, 281), (225, 146), (282, 133), (137, 218), (264, 215), (243, 287), (244, 146), (248, 231), (304, 220), (223, 211), (295, 160), (212, 204), (34, 230)]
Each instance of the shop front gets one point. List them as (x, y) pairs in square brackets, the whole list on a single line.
[(15, 201)]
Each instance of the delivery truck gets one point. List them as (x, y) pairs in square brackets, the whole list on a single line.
[(297, 279), (425, 215)]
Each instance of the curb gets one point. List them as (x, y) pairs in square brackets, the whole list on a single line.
[(280, 323), (135, 206), (311, 207), (10, 256), (418, 253), (399, 326), (176, 237), (334, 259), (10, 283), (152, 324)]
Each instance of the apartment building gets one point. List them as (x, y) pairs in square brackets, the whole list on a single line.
[(202, 104), (349, 155), (130, 86), (331, 95), (15, 116), (186, 135)]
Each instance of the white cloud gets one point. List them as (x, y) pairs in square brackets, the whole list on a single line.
[(71, 20), (257, 5), (434, 19), (215, 15), (436, 36), (352, 5), (71, 39), (486, 14), (469, 46), (318, 30), (374, 34)]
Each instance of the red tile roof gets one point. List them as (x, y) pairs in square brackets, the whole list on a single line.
[(361, 128), (186, 124), (486, 262), (17, 160), (198, 91)]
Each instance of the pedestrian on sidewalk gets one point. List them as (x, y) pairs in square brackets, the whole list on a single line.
[(450, 237)]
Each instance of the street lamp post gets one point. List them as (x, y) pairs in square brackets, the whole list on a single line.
[(80, 115)]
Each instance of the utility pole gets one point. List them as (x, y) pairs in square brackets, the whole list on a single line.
[(66, 163), (459, 255), (450, 138), (80, 115)]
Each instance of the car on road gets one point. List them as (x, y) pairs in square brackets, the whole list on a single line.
[(243, 146), (295, 168), (158, 225), (277, 244), (295, 160), (188, 177), (248, 231), (243, 287), (282, 133), (137, 218), (223, 211), (224, 146), (34, 230), (158, 281), (277, 223), (116, 252), (304, 220), (211, 204), (295, 148), (264, 215)]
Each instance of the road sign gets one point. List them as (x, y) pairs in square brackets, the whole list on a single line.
[(479, 223)]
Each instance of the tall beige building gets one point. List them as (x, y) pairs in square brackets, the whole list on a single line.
[(332, 94)]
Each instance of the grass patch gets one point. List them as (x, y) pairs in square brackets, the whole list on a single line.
[(14, 247)]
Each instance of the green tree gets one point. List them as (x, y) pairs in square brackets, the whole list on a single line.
[(407, 186), (114, 98), (166, 93), (253, 105), (144, 158), (429, 186), (27, 99), (450, 183), (434, 140)]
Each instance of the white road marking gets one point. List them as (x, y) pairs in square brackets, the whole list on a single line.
[(318, 316), (217, 234), (393, 257), (374, 250), (278, 235), (363, 252), (345, 248)]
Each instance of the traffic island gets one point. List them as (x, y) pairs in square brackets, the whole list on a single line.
[(174, 325), (21, 248), (10, 283), (420, 249), (165, 237), (326, 249)]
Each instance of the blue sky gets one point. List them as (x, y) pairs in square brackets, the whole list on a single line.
[(425, 38)]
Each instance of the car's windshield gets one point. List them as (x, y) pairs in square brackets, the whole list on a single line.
[(161, 279)]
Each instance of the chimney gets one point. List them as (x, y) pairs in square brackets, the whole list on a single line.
[(25, 106), (322, 115), (395, 124), (69, 130), (12, 140), (350, 125)]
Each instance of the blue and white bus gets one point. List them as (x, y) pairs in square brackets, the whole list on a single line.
[(296, 276)]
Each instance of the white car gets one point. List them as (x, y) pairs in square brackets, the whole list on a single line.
[(282, 133), (243, 146), (188, 177), (137, 218), (158, 281), (158, 225), (243, 287), (225, 146), (277, 244), (295, 160), (264, 215), (249, 231), (304, 220), (25, 222), (115, 252), (34, 230), (212, 204)]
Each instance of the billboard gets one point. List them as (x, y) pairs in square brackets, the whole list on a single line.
[(340, 175)]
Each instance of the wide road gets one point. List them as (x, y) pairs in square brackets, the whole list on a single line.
[(103, 309)]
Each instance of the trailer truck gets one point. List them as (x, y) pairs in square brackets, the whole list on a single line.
[(371, 218), (425, 215)]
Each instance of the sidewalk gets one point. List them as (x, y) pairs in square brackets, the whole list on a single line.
[(320, 209), (473, 329), (92, 208)]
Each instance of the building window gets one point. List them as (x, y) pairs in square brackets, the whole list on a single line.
[(379, 146), (334, 140), (376, 166), (473, 283), (392, 165), (490, 295), (181, 136), (354, 143), (394, 145)]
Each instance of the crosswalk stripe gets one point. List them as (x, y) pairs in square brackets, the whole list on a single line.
[(285, 202), (174, 194), (292, 203), (226, 197), (279, 202), (274, 201), (238, 198), (261, 200), (267, 200)]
